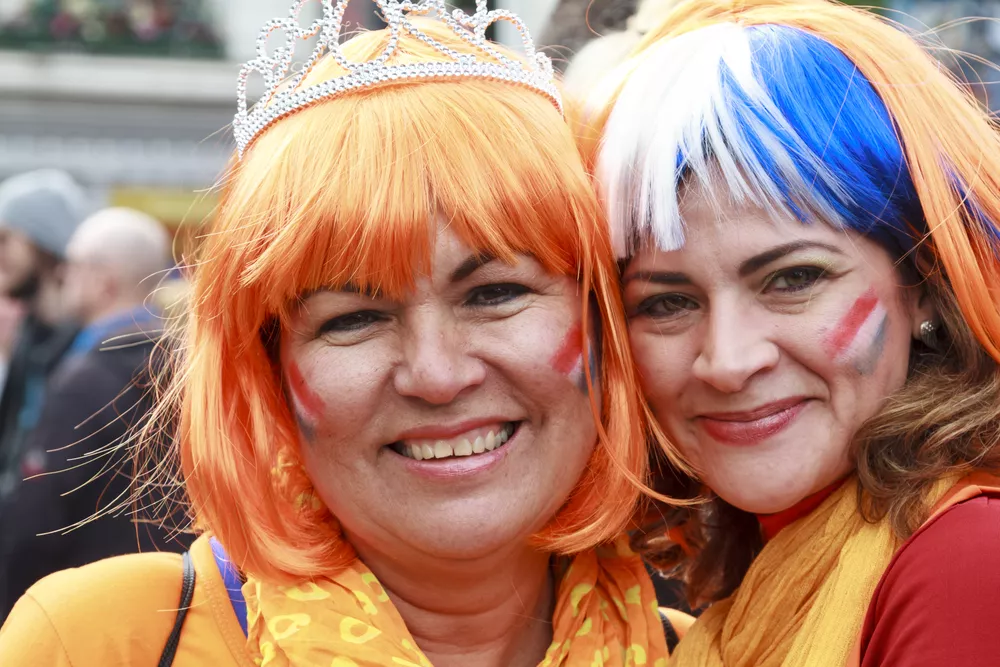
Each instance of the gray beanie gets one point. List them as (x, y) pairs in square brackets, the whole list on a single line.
[(44, 205)]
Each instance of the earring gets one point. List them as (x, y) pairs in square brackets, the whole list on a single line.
[(928, 334)]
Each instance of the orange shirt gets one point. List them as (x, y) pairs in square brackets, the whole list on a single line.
[(119, 612)]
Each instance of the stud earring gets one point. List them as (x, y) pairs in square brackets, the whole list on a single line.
[(928, 334)]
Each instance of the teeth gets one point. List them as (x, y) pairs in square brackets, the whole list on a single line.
[(443, 449)]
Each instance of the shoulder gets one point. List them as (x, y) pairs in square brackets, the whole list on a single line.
[(116, 611), (936, 603)]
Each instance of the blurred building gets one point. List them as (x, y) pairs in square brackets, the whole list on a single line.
[(135, 96)]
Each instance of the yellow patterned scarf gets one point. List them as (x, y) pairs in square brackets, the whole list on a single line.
[(606, 615), (804, 599)]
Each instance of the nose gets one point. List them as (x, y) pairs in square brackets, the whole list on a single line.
[(437, 362), (734, 349)]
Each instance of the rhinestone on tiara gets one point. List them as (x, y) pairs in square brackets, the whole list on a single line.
[(534, 72)]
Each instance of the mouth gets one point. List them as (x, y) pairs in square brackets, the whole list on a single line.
[(762, 412), (753, 426), (471, 443)]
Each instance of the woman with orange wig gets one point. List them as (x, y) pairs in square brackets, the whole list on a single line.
[(405, 404), (806, 209)]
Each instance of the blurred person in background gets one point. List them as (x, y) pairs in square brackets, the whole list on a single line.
[(10, 319), (598, 57), (574, 23), (39, 211), (95, 397)]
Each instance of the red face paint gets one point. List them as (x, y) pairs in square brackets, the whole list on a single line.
[(568, 357), (306, 399), (849, 326)]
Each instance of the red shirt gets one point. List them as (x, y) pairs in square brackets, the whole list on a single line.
[(938, 602)]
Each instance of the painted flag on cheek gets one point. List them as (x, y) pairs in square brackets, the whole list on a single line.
[(860, 335)]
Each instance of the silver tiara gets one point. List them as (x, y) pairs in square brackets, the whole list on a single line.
[(535, 71)]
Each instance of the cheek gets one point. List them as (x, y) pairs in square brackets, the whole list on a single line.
[(330, 390), (664, 364), (858, 339), (305, 402), (570, 359)]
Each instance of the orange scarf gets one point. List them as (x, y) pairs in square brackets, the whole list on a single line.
[(804, 599), (606, 615)]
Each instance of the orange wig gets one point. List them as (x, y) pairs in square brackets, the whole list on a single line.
[(344, 191)]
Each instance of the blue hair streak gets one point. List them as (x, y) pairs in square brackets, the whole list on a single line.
[(766, 115)]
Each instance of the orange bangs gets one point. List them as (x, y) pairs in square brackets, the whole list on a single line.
[(350, 191)]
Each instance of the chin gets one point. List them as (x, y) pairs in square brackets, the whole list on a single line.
[(765, 501)]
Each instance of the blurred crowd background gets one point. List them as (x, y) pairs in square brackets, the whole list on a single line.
[(113, 132)]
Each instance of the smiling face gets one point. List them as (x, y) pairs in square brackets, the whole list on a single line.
[(765, 344), (451, 423)]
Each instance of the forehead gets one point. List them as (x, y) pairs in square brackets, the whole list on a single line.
[(716, 223)]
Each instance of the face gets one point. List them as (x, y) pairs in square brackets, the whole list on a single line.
[(765, 344), (84, 292), (19, 264), (453, 423)]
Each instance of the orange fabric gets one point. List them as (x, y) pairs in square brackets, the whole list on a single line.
[(120, 611), (606, 614)]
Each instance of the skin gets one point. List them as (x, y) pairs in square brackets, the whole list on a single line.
[(473, 340), (19, 264), (114, 260), (753, 311)]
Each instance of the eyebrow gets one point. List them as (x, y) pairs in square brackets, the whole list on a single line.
[(758, 262), (748, 267), (470, 266), (659, 278)]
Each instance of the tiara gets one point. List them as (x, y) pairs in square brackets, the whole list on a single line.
[(534, 72)]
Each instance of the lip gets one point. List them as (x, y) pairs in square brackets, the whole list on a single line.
[(459, 466), (752, 427), (444, 432)]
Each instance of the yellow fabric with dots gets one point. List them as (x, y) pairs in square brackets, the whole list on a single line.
[(606, 616)]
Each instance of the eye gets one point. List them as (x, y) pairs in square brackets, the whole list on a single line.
[(495, 295), (666, 305), (795, 279), (351, 322)]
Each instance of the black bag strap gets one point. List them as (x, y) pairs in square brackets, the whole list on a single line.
[(669, 632), (187, 593)]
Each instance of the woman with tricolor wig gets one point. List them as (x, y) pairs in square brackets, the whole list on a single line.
[(805, 206), (405, 407)]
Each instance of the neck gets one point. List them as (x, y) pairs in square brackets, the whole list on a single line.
[(111, 309), (772, 524), (494, 611), (45, 303)]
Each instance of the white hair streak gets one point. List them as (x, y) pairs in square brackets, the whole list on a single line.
[(674, 103)]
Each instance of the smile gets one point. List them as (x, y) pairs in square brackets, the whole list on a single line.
[(754, 426), (471, 443)]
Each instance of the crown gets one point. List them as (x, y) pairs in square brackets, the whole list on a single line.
[(284, 97)]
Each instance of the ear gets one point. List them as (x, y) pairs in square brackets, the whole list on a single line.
[(921, 308)]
